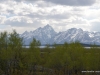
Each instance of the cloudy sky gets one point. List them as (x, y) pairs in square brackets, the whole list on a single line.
[(28, 15)]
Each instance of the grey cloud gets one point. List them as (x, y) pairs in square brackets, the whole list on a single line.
[(22, 23), (95, 26), (11, 12), (78, 21), (49, 16), (26, 0), (2, 1), (58, 16), (77, 9), (64, 2), (73, 2), (44, 4)]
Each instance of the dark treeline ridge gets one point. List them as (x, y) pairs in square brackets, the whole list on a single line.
[(67, 59)]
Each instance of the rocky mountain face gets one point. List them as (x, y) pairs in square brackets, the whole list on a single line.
[(47, 35)]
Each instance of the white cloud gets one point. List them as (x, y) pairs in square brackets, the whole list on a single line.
[(2, 19), (28, 15)]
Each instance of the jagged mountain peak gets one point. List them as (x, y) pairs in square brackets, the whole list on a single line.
[(48, 27), (39, 28), (25, 33), (44, 34), (47, 35), (74, 29)]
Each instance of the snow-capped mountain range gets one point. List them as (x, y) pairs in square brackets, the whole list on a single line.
[(47, 35)]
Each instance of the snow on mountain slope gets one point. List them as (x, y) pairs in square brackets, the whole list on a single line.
[(47, 35), (72, 35)]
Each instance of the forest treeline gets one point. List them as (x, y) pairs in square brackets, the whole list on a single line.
[(68, 59)]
